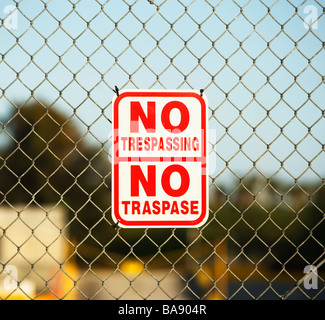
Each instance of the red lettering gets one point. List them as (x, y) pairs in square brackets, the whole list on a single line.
[(176, 143), (125, 203), (185, 180), (124, 142), (131, 143), (194, 207), (146, 143), (154, 142), (161, 207), (156, 207), (139, 143), (168, 143), (165, 116), (146, 208), (137, 176), (135, 207), (195, 144), (161, 144), (184, 205), (174, 208), (187, 143), (165, 206), (148, 121)]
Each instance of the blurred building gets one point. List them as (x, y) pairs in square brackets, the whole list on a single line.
[(33, 245)]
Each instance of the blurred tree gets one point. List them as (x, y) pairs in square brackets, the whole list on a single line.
[(42, 151), (276, 221), (47, 161)]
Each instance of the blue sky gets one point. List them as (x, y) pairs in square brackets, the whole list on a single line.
[(236, 51)]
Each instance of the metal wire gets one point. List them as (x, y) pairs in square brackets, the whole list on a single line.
[(263, 74)]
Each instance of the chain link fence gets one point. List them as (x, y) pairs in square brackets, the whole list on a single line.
[(261, 66)]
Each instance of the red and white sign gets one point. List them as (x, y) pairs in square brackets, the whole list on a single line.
[(159, 172)]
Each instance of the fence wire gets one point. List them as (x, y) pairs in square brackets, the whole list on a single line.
[(261, 66)]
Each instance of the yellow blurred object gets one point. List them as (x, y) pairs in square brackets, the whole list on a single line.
[(131, 267), (63, 282), (220, 273), (14, 295), (25, 291), (216, 272)]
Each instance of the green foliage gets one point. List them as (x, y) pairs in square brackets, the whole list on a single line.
[(48, 161), (281, 223)]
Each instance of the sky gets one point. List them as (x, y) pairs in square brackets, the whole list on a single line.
[(261, 70)]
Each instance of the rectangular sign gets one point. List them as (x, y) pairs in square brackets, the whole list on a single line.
[(159, 172)]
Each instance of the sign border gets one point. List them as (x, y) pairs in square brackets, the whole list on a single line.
[(203, 159)]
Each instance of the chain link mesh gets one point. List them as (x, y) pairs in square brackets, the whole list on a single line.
[(261, 66)]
